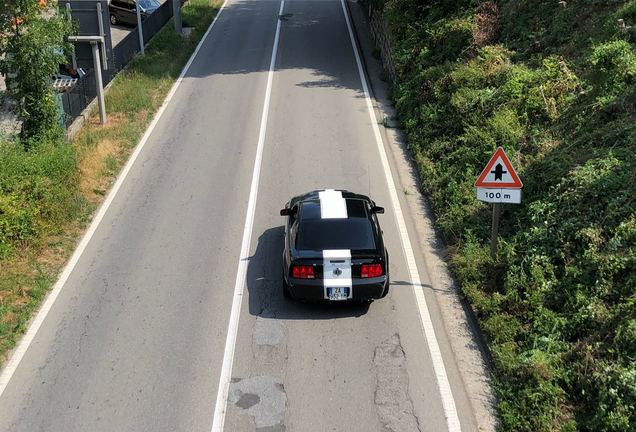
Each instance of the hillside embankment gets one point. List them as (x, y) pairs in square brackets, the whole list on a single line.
[(554, 83)]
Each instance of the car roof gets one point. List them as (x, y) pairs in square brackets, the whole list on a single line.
[(334, 219), (311, 209)]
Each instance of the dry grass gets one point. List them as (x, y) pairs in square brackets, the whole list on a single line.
[(487, 23), (92, 170)]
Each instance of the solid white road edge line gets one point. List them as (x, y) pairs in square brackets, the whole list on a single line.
[(241, 273), (448, 402), (28, 337)]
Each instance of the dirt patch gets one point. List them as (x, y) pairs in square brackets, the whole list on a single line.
[(487, 22), (92, 169), (113, 120), (8, 318), (55, 254), (22, 299), (142, 116)]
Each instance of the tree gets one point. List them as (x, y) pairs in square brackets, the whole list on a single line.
[(32, 45)]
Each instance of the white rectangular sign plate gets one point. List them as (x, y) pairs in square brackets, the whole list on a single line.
[(509, 196)]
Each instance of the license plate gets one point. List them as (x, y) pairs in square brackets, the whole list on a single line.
[(337, 293)]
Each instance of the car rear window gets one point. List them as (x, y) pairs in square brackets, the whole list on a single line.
[(321, 234)]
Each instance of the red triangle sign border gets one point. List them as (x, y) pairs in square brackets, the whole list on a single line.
[(516, 182)]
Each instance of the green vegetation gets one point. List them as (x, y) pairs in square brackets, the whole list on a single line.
[(32, 44), (554, 83), (49, 191)]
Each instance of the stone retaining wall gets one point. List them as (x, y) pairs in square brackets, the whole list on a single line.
[(382, 40)]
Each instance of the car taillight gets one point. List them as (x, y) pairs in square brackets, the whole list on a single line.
[(303, 272), (371, 270)]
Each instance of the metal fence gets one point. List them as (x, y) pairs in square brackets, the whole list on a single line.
[(79, 97), (75, 101), (155, 22), (125, 50)]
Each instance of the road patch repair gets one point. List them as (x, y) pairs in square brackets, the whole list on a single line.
[(268, 330), (392, 400), (263, 398)]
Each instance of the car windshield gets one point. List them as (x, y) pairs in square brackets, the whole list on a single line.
[(321, 234), (149, 5)]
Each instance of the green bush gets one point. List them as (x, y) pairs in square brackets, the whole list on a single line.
[(37, 191), (32, 47), (613, 69)]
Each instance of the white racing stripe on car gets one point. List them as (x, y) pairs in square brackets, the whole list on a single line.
[(336, 270), (332, 205)]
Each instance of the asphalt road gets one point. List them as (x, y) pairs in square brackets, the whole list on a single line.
[(136, 338), (117, 33)]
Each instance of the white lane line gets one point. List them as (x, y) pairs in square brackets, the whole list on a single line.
[(28, 337), (241, 273), (448, 402)]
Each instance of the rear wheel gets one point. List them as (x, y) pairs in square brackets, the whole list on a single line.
[(388, 284), (286, 292), (113, 19)]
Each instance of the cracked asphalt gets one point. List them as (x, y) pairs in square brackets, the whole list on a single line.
[(135, 340)]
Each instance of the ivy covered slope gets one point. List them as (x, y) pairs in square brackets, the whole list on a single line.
[(554, 83)]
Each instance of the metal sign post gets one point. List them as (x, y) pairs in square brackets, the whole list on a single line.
[(140, 30), (498, 183), (494, 232)]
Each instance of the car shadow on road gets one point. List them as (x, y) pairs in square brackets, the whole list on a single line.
[(265, 293), (304, 26)]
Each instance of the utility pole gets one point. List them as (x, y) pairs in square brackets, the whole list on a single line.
[(98, 82), (98, 64), (176, 12), (140, 30)]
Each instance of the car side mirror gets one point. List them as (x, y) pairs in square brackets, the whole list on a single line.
[(378, 210), (287, 211)]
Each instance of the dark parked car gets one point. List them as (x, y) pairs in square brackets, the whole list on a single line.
[(334, 248), (125, 11)]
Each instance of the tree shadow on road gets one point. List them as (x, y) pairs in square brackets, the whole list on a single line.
[(265, 293), (303, 46)]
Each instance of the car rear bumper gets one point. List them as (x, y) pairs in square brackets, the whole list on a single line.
[(314, 290)]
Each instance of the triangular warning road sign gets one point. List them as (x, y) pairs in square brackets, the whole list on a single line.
[(499, 173)]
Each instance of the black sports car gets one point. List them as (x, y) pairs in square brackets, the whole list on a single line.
[(334, 248)]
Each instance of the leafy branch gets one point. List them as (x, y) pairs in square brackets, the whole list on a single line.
[(32, 45)]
